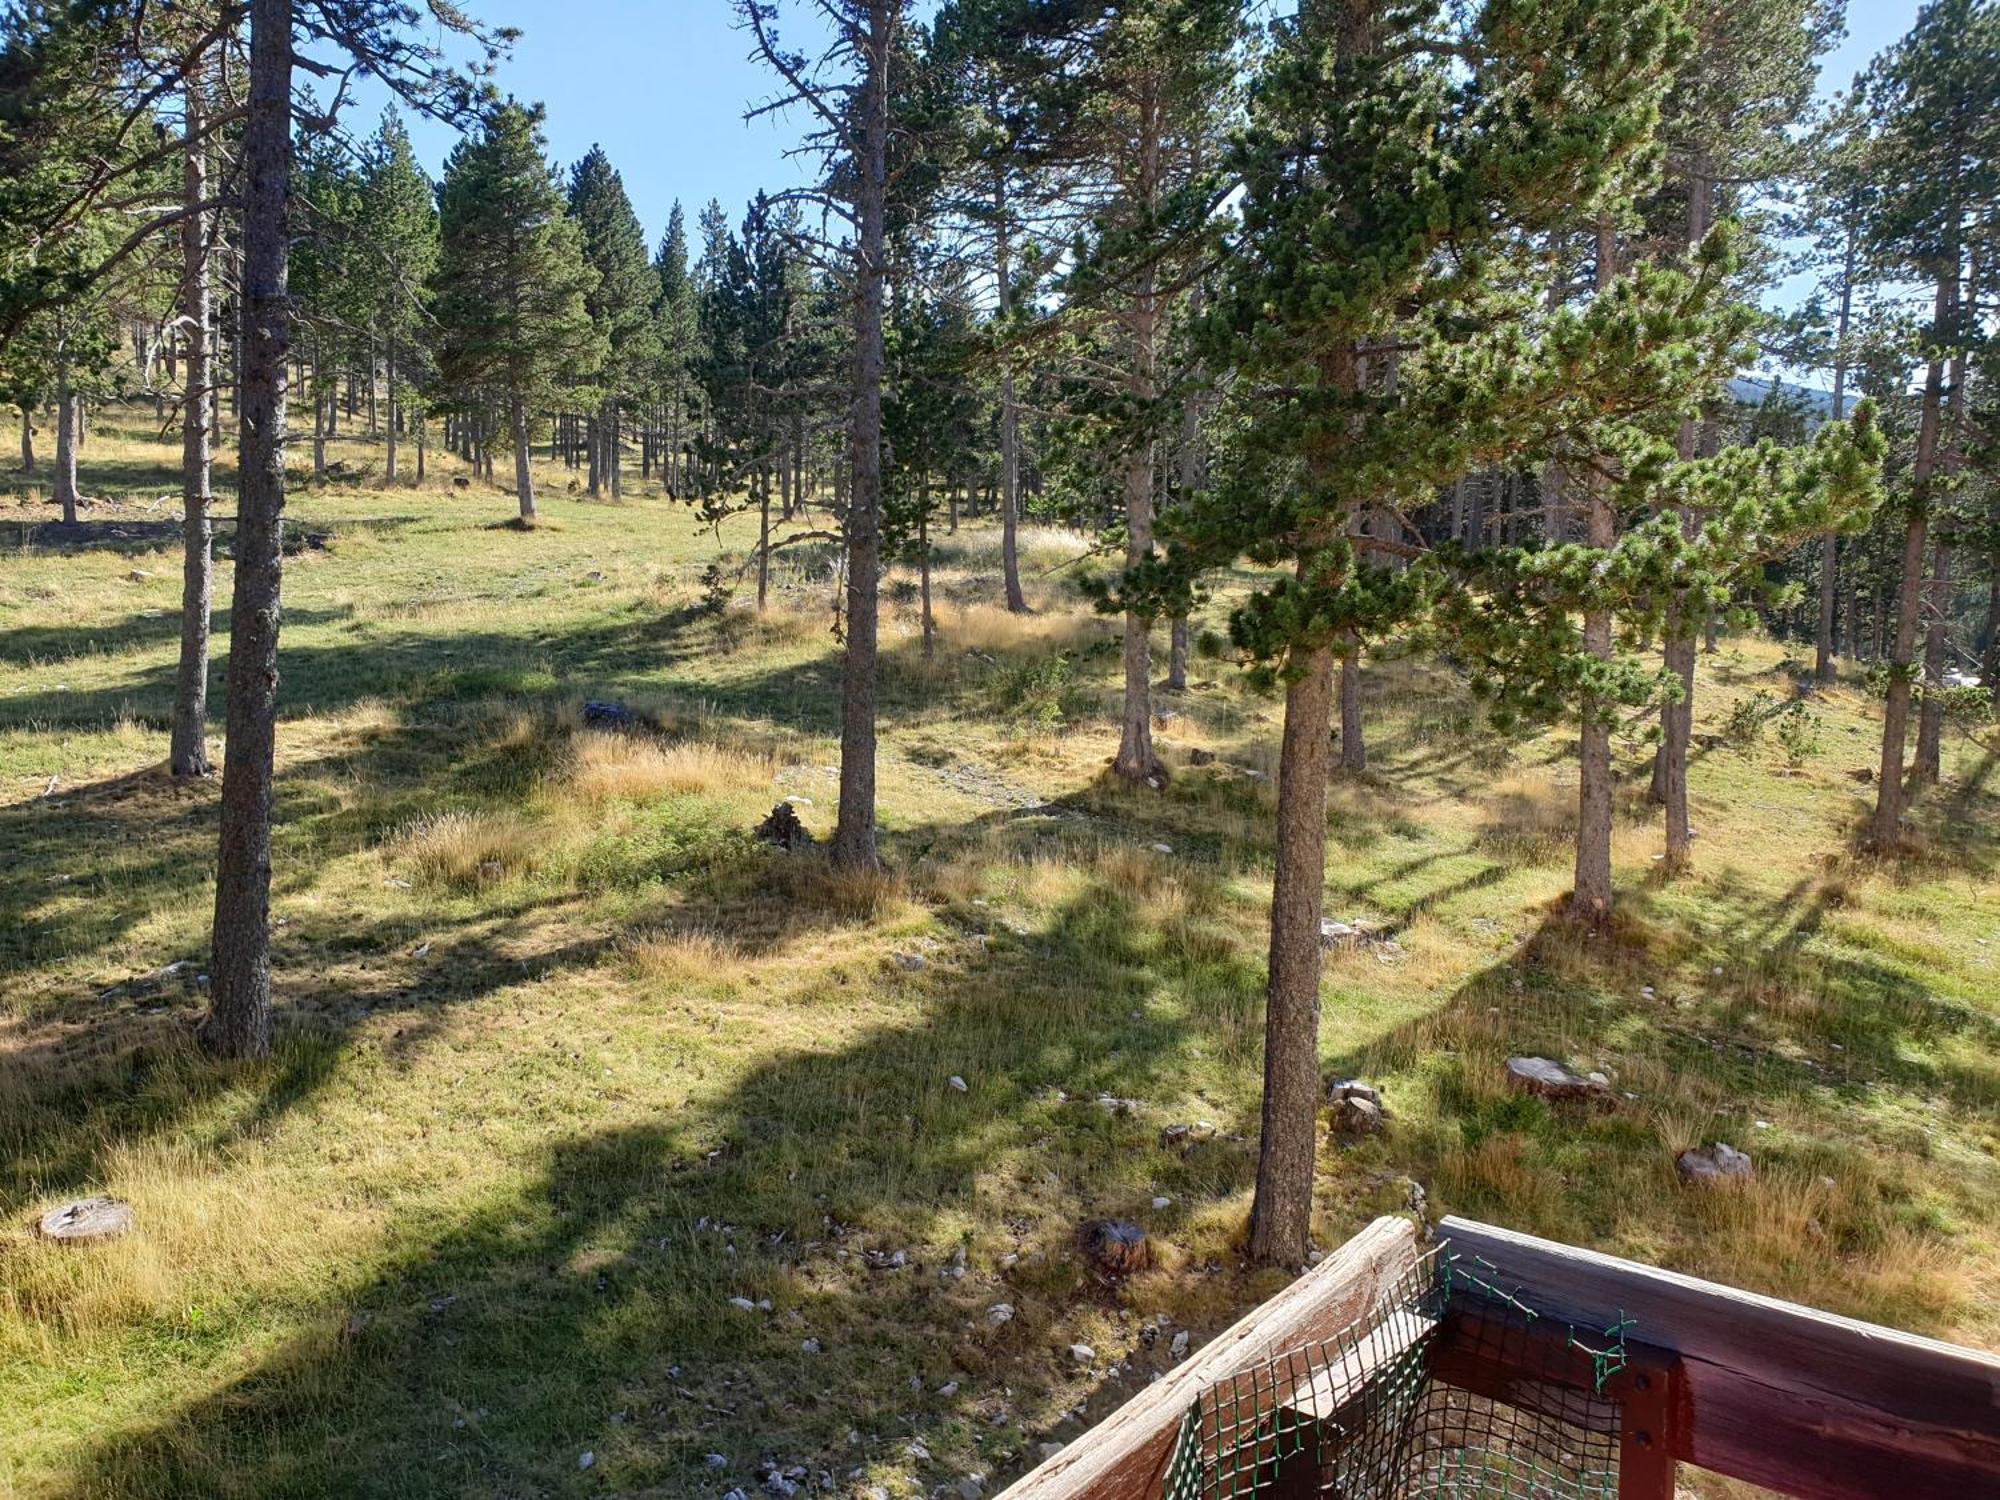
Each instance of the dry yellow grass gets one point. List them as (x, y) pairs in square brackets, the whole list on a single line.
[(633, 768), (475, 848)]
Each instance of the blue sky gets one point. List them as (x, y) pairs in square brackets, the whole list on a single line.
[(662, 85)]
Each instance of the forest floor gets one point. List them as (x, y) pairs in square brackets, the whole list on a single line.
[(566, 1061)]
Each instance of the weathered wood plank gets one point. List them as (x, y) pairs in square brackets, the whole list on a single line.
[(1778, 1394), (1125, 1456)]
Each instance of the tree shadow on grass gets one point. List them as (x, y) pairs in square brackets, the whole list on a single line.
[(588, 1309)]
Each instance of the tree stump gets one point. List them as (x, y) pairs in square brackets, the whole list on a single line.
[(87, 1221)]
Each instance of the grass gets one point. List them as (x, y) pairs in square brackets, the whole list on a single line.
[(566, 1061)]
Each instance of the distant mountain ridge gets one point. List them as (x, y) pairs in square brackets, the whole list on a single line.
[(1751, 390)]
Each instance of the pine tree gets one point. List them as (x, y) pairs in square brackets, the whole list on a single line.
[(675, 322), (1934, 100), (1372, 146), (512, 282), (620, 304), (399, 220)]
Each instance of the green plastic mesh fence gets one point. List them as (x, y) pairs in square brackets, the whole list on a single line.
[(1362, 1417)]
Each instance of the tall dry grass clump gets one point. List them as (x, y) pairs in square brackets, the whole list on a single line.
[(633, 768)]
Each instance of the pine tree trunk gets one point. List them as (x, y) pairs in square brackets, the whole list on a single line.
[(423, 426), (924, 564), (524, 483), (395, 415), (66, 423), (1826, 646), (238, 1023), (1177, 654), (1826, 640), (320, 402), (1353, 748), (1135, 760), (1928, 764), (594, 450), (1010, 414), (27, 441), (188, 741), (1281, 1213), (854, 833), (614, 480), (763, 537), (1590, 899)]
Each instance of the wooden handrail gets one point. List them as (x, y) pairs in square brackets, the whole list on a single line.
[(1125, 1456), (1780, 1395)]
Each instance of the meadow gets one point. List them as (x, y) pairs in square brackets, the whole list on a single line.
[(605, 1149)]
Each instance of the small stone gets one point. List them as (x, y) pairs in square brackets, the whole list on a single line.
[(1352, 1088), (1163, 848), (716, 1461), (808, 1346), (948, 1389), (586, 1459), (1162, 1202), (742, 1304), (969, 1488), (1083, 1354), (1358, 1116), (1179, 1347), (734, 1494), (87, 1221), (1050, 1450), (1201, 757), (777, 1484), (909, 963), (1721, 1163), (1551, 1080), (956, 1082), (422, 950), (1000, 1314)]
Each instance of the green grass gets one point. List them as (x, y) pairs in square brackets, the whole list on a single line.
[(566, 1061)]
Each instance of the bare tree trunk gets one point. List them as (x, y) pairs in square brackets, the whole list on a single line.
[(1928, 764), (423, 427), (238, 1023), (854, 834), (1829, 552), (1281, 1213), (395, 415), (614, 421), (763, 537), (1136, 760), (1886, 827), (66, 424), (188, 742), (1670, 762), (27, 441), (1010, 413), (1177, 654), (594, 449), (524, 482), (1590, 899), (1353, 747), (320, 402), (924, 562)]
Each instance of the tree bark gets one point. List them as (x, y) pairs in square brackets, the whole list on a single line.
[(524, 481), (1353, 747), (1177, 654), (854, 834), (66, 423), (1590, 899), (238, 1023), (188, 742), (1886, 827), (27, 441), (1825, 643), (1281, 1212), (1010, 412), (763, 537), (1136, 760), (395, 415), (1928, 764)]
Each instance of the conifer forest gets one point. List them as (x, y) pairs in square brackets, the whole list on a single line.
[(784, 847)]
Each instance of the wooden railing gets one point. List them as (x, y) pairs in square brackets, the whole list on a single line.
[(1780, 1395)]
